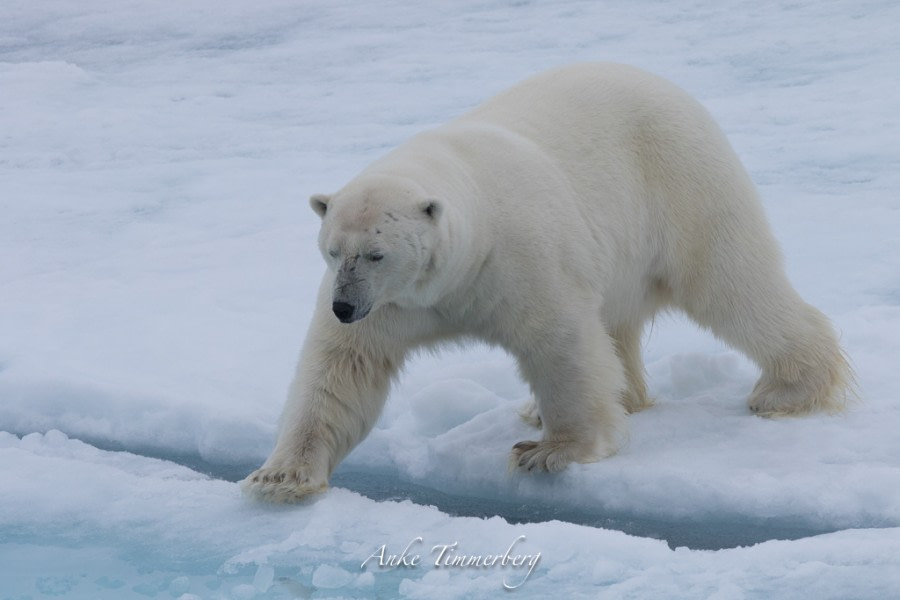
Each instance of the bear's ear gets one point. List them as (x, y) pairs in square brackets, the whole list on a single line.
[(319, 203), (432, 209)]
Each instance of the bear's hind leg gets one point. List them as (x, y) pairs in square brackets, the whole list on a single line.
[(628, 345), (752, 306), (577, 379)]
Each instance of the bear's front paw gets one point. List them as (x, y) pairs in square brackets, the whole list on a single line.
[(549, 455), (280, 484)]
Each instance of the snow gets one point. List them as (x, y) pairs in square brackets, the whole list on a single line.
[(158, 269)]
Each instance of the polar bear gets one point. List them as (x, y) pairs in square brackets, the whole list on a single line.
[(554, 220)]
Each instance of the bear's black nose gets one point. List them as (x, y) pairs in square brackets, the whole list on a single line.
[(343, 311)]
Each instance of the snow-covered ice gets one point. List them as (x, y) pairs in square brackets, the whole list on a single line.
[(116, 525), (158, 268)]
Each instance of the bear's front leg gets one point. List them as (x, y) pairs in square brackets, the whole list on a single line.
[(309, 446), (337, 395), (577, 380)]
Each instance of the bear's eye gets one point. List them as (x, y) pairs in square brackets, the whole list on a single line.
[(375, 256), (333, 253)]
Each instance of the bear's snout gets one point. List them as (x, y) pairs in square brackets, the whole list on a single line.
[(343, 311)]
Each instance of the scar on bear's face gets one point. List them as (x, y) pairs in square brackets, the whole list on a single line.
[(391, 216)]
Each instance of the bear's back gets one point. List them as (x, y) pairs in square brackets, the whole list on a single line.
[(587, 96)]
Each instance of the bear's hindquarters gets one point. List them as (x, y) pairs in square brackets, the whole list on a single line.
[(722, 263), (737, 288)]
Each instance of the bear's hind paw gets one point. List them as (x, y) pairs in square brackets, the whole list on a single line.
[(530, 414)]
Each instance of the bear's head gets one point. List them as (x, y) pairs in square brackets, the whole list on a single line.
[(378, 237)]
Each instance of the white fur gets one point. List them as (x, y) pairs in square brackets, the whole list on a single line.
[(554, 221)]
